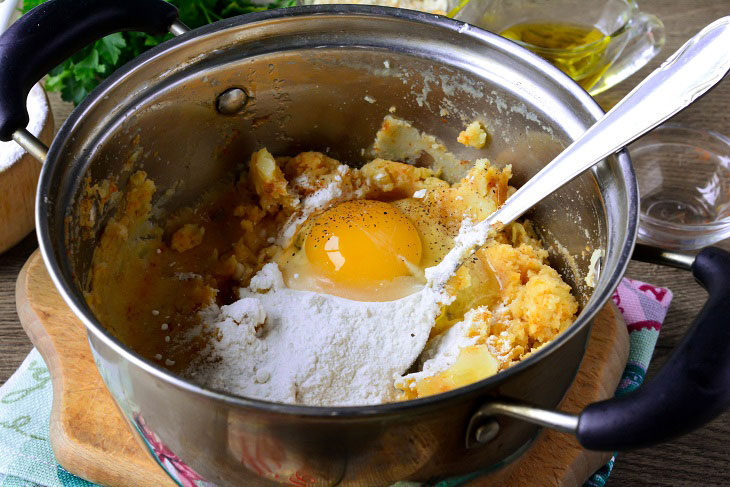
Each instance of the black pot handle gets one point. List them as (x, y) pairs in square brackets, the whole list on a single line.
[(691, 389), (47, 35)]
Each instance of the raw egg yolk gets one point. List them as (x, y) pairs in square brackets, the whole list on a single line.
[(362, 242)]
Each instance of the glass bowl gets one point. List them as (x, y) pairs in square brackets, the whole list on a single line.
[(684, 185)]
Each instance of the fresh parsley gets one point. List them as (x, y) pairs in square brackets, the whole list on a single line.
[(83, 71)]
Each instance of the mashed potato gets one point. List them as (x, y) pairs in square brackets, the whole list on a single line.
[(473, 135), (152, 283)]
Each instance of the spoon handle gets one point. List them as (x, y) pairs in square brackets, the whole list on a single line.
[(689, 73)]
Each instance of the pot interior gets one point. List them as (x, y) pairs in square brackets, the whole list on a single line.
[(322, 80)]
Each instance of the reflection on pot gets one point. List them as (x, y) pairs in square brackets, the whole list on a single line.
[(263, 454), (181, 473)]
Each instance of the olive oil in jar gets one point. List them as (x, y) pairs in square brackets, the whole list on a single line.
[(577, 50)]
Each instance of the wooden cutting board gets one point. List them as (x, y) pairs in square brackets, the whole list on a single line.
[(91, 440)]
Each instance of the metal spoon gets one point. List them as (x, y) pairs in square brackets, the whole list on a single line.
[(689, 73)]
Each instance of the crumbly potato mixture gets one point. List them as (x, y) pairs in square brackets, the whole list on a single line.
[(473, 135), (150, 279)]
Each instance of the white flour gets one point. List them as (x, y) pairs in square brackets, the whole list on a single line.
[(316, 349), (10, 152)]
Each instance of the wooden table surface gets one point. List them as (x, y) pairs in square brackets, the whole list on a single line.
[(700, 458)]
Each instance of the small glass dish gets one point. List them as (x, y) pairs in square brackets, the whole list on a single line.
[(684, 186)]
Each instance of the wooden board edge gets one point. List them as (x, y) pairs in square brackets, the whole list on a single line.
[(76, 457), (32, 324)]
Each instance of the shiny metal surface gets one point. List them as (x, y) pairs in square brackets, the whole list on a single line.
[(31, 144), (486, 432), (178, 28), (565, 422), (655, 255), (309, 70), (231, 101)]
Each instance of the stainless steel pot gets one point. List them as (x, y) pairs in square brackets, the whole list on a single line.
[(306, 73)]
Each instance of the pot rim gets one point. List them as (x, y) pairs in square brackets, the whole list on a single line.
[(79, 308)]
